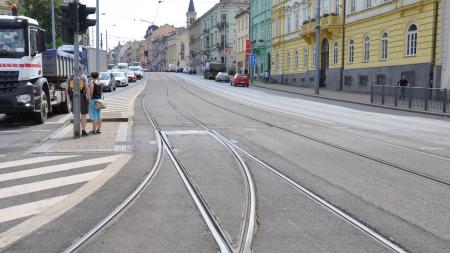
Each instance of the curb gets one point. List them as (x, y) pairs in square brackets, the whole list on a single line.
[(358, 103)]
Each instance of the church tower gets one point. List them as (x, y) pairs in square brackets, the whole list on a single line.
[(191, 15)]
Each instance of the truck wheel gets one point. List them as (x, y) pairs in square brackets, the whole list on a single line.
[(66, 106), (41, 117)]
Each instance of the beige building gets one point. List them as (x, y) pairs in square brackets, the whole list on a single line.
[(4, 7), (178, 48), (242, 35)]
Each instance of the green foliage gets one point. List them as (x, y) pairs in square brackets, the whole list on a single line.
[(41, 11)]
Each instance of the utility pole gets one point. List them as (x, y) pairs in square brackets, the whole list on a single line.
[(106, 35), (97, 51), (101, 40), (76, 80), (316, 88), (53, 24)]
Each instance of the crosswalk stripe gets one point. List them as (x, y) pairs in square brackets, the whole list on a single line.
[(56, 168), (47, 184), (28, 209), (34, 160)]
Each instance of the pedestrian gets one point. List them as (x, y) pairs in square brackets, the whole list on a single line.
[(94, 94), (403, 83), (266, 76), (84, 103)]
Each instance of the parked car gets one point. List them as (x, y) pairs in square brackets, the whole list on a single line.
[(212, 68), (192, 70), (137, 71), (222, 77), (239, 79), (172, 68), (179, 70), (131, 76), (186, 70), (107, 81), (121, 79)]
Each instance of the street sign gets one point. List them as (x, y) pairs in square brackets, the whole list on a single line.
[(253, 59)]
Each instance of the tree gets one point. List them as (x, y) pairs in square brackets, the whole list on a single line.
[(41, 11)]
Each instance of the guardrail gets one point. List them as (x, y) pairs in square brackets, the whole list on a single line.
[(418, 98)]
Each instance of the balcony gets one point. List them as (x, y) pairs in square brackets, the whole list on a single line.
[(328, 24), (220, 45), (205, 30), (221, 25)]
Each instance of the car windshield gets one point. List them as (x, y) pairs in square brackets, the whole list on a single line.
[(118, 74), (134, 68), (104, 76), (131, 73), (12, 42)]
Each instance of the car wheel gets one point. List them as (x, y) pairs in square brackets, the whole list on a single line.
[(41, 116)]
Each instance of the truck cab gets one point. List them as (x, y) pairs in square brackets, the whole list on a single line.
[(24, 88)]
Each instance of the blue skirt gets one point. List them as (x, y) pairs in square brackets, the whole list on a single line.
[(94, 114)]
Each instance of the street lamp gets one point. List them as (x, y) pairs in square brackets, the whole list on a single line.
[(317, 83)]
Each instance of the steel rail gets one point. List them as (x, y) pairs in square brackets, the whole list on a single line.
[(119, 209), (362, 227), (336, 146), (249, 223)]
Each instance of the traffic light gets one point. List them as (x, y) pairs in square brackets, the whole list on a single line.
[(83, 13), (69, 21)]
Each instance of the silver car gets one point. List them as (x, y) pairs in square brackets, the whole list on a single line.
[(222, 77), (121, 78), (137, 71), (107, 81)]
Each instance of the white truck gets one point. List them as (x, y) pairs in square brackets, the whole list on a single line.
[(33, 80)]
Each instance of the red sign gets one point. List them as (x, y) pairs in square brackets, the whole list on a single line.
[(247, 48)]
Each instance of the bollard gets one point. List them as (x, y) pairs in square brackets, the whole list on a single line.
[(427, 94), (409, 97), (371, 94), (444, 106), (382, 94), (396, 96)]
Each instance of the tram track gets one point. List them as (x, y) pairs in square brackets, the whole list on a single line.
[(387, 242), (333, 145)]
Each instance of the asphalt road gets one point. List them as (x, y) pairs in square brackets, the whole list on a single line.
[(386, 169)]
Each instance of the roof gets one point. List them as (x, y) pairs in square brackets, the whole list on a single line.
[(191, 6), (18, 18)]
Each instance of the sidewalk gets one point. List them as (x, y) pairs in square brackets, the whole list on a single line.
[(341, 96)]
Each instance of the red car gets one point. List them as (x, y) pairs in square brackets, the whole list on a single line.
[(131, 76), (239, 79)]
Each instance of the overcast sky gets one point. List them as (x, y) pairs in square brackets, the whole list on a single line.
[(125, 15)]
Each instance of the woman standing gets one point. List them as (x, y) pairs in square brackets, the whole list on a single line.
[(95, 93)]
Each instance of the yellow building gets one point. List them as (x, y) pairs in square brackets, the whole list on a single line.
[(376, 42), (178, 48), (4, 7), (242, 35)]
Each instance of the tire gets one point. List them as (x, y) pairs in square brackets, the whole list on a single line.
[(66, 106), (41, 116)]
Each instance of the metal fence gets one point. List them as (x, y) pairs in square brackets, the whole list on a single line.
[(418, 98)]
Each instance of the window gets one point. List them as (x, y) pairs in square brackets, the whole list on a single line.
[(33, 41), (366, 49), (363, 80), (289, 23), (411, 46), (351, 52), (296, 59), (222, 41), (277, 62), (275, 27), (297, 21), (381, 79), (223, 18), (384, 46), (368, 3), (348, 80), (336, 6), (335, 53), (352, 6), (182, 51), (314, 58), (305, 58), (288, 60)]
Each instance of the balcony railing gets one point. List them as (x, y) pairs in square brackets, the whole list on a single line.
[(418, 98), (221, 25), (326, 22)]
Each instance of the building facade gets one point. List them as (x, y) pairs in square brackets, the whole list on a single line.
[(178, 48), (242, 38), (373, 42), (445, 45), (4, 7), (155, 46), (261, 35), (214, 34)]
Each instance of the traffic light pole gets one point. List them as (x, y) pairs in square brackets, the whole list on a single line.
[(317, 83), (76, 86), (97, 36)]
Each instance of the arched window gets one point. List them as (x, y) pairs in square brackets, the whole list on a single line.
[(314, 60), (288, 60), (384, 46), (305, 57), (296, 59), (351, 52), (366, 49), (289, 25), (337, 6), (335, 53), (297, 20), (411, 45)]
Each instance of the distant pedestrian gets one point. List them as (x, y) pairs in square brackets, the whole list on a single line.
[(266, 76), (403, 83), (84, 103), (95, 94)]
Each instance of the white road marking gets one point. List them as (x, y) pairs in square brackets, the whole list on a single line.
[(186, 132), (122, 132), (56, 168), (10, 131), (432, 148), (28, 209), (47, 184), (41, 130), (34, 160)]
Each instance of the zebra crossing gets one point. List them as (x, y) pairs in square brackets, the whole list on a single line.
[(31, 185), (120, 102)]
